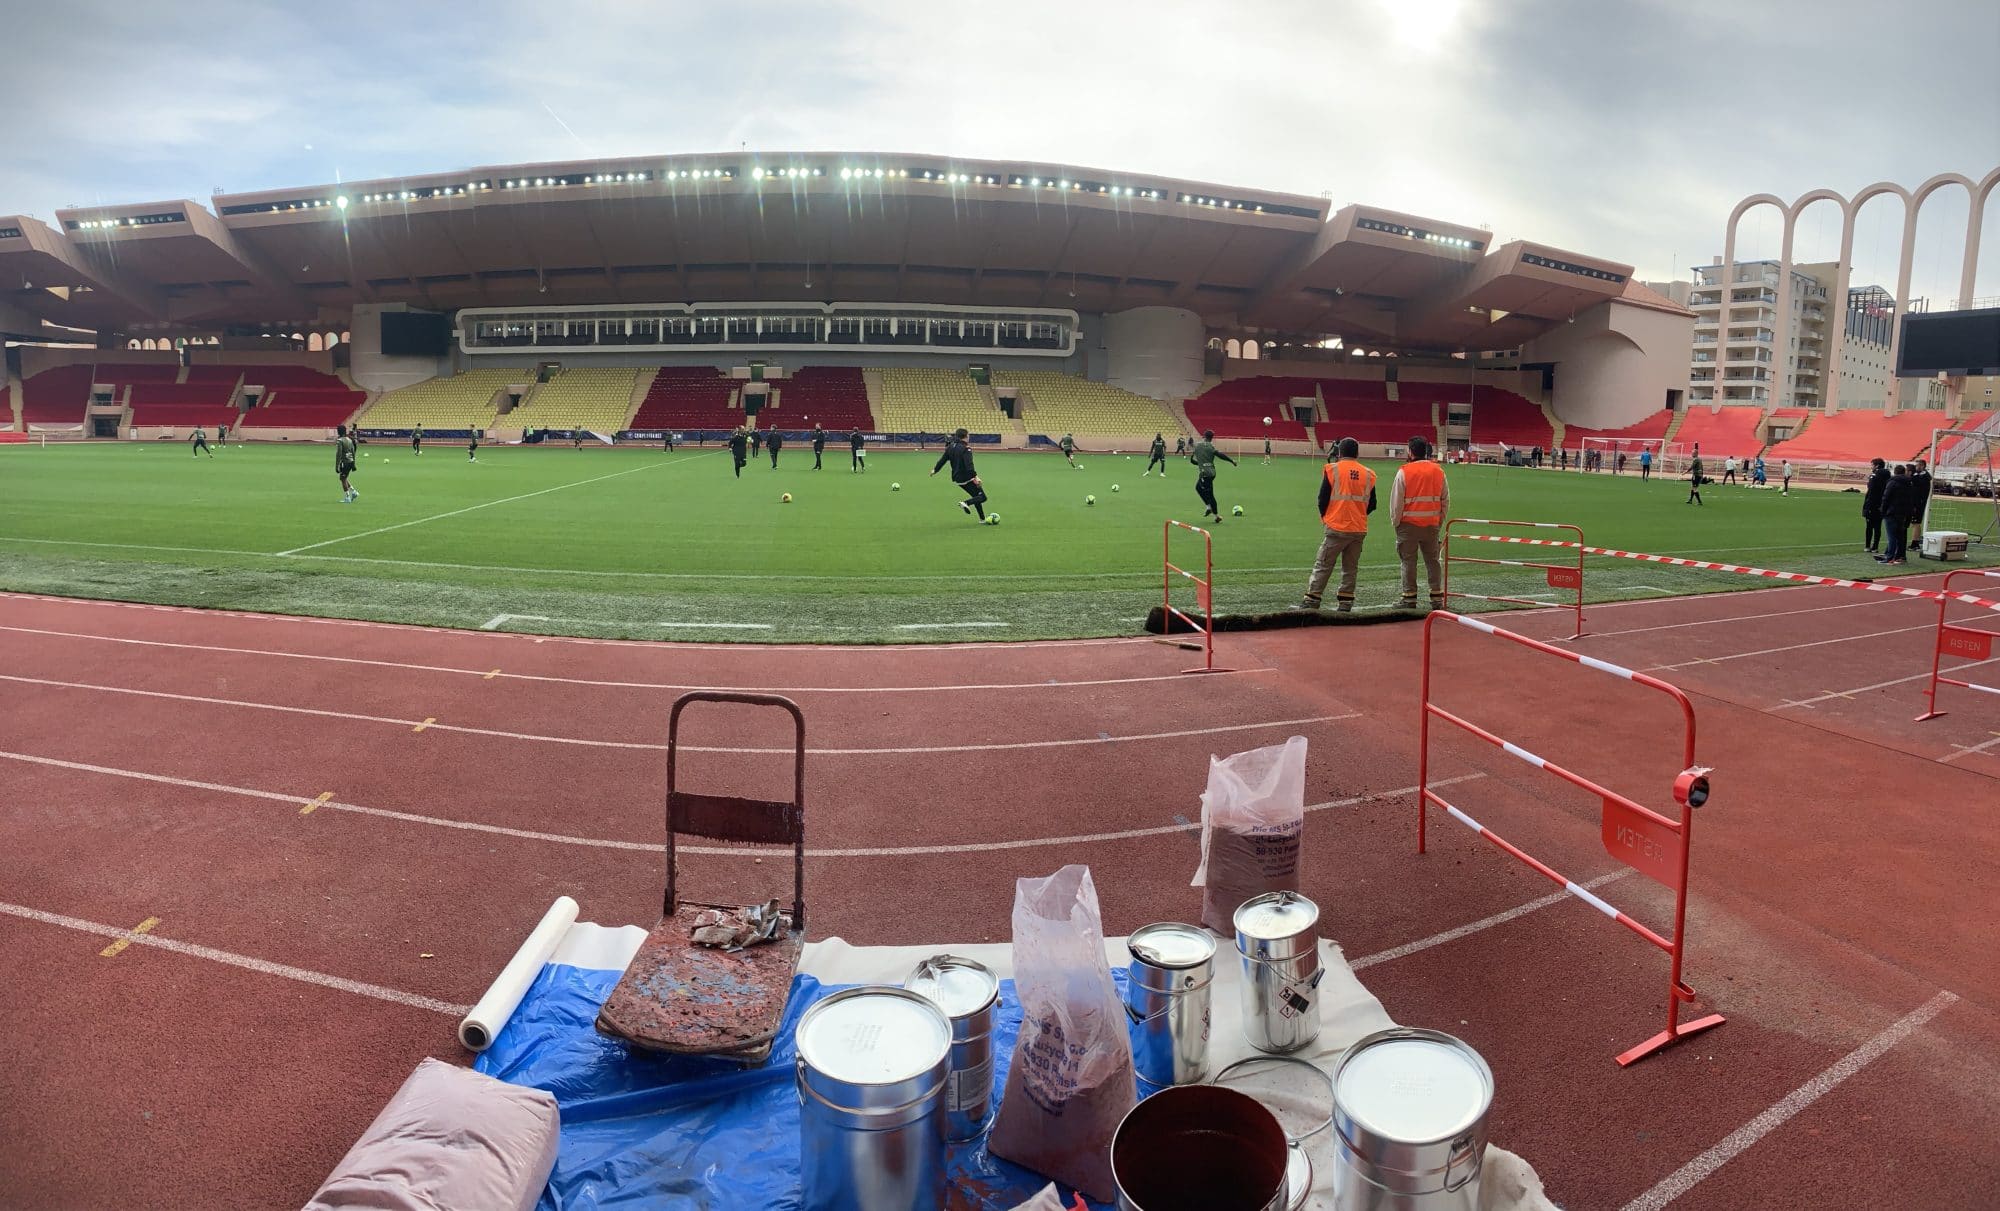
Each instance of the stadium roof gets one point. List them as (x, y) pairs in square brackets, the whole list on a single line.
[(807, 226)]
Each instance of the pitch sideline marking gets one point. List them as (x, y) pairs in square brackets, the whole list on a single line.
[(117, 948), (1817, 643), (1484, 923), (1739, 1141)]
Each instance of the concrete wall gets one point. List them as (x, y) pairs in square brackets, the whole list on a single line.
[(1615, 364), (371, 370), (1154, 351)]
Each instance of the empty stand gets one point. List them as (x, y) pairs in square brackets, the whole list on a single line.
[(183, 405), (833, 396), (592, 398), (1237, 408), (1361, 409), (305, 408), (266, 374), (462, 401), (921, 399), (61, 395), (1064, 403), (1651, 428), (688, 397), (1855, 436), (1730, 431), (1499, 415)]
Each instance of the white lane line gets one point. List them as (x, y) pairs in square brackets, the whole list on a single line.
[(505, 500), (1737, 1142), (1484, 923), (1967, 751), (500, 620), (945, 626), (486, 674), (1707, 622), (1791, 647), (718, 626), (433, 725), (1862, 689), (892, 851), (870, 650), (247, 963)]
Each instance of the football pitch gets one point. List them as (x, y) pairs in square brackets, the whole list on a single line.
[(642, 543)]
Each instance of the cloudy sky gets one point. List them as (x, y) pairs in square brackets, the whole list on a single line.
[(1624, 128)]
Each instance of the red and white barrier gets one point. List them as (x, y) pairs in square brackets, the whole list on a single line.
[(1962, 642), (1558, 576), (1649, 842), (1204, 591)]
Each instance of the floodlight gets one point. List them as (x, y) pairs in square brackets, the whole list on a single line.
[(341, 201)]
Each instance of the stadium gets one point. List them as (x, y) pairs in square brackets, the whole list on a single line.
[(293, 771)]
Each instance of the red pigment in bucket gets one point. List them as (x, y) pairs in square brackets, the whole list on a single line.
[(1199, 1148)]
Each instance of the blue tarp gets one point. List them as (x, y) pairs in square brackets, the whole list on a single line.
[(649, 1133)]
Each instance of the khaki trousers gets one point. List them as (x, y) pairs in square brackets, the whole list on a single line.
[(1411, 541), (1345, 547)]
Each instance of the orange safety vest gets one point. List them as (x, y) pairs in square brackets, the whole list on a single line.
[(1423, 493), (1347, 508)]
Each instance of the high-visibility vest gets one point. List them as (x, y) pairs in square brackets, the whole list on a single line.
[(1347, 507), (1423, 493)]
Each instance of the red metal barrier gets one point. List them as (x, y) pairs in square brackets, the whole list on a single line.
[(1558, 575), (1656, 846), (1204, 591), (1960, 641)]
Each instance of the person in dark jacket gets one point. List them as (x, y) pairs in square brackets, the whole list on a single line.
[(739, 450), (1920, 494), (857, 453), (958, 456), (776, 442), (819, 445), (1694, 478), (1896, 501), (1871, 505)]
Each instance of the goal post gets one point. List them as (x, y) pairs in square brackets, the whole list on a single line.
[(1669, 458), (1965, 483)]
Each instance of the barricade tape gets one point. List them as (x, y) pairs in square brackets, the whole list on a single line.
[(1707, 565)]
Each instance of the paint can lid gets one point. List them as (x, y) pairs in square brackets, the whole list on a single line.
[(959, 986), (1298, 1178), (1274, 915), (873, 1036), (1413, 1086), (1171, 945)]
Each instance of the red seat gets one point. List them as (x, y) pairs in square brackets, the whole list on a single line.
[(1652, 427), (1857, 435), (835, 397), (1730, 431), (688, 397), (305, 408)]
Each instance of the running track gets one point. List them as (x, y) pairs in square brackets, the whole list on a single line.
[(335, 833)]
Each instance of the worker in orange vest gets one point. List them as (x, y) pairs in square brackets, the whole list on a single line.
[(1418, 504), (1346, 498)]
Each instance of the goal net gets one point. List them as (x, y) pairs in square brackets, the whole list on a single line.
[(1965, 494), (1601, 454)]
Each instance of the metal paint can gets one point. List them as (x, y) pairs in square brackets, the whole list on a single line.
[(1409, 1117), (1200, 1148), (871, 1077), (1299, 1094), (969, 994), (1167, 984), (1279, 948)]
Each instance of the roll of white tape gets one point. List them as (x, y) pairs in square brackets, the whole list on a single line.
[(484, 1023)]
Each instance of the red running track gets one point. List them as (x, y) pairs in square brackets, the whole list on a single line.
[(156, 764)]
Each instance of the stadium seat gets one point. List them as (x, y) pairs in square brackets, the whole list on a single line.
[(1064, 403), (6, 407), (304, 408), (922, 399), (1500, 415), (1237, 408), (1730, 431), (833, 396), (592, 398), (61, 396), (183, 405), (266, 374), (1857, 435), (1361, 409), (461, 401), (1654, 426), (688, 397)]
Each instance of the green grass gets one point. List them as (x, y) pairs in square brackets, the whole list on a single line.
[(644, 544)]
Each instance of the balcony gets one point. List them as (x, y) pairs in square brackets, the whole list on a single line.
[(1705, 340)]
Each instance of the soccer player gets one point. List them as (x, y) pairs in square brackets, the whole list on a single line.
[(1694, 479), (959, 456), (1180, 445), (1645, 465), (417, 440), (222, 433), (1757, 476), (667, 439), (1203, 457), (776, 443), (1068, 444), (1159, 456), (343, 462), (576, 439), (472, 448), (1785, 475), (739, 446), (1267, 449), (857, 454), (198, 444), (1346, 498), (756, 438), (819, 444), (1618, 467)]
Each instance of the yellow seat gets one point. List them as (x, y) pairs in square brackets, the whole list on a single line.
[(927, 399), (594, 398), (461, 401), (1064, 403)]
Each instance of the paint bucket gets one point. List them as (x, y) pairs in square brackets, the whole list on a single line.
[(1280, 954), (1299, 1094), (1199, 1148), (1409, 1117), (969, 994), (871, 1077), (1167, 986)]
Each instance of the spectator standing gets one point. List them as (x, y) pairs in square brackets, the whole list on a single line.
[(1871, 505), (1729, 469), (1418, 503), (1896, 502), (1346, 498), (1920, 494)]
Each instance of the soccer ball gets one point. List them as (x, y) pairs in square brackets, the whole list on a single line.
[(992, 519), (785, 499), (1114, 487), (895, 487), (1237, 511), (1090, 500), (1267, 421)]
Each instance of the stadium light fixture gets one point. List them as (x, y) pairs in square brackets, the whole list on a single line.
[(757, 173), (341, 201), (846, 173)]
